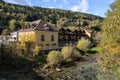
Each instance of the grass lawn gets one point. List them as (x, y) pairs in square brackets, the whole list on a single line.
[(93, 50)]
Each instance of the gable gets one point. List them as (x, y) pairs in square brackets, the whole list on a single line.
[(39, 25)]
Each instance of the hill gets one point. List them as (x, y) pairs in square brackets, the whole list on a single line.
[(57, 17)]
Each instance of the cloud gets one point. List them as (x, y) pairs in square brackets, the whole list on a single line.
[(51, 7), (96, 13), (83, 6), (10, 1), (75, 8), (22, 2)]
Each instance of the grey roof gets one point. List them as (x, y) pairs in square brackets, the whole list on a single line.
[(39, 25)]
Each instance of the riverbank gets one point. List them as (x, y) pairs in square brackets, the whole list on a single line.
[(78, 70), (81, 70)]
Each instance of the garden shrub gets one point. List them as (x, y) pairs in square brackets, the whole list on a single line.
[(67, 52), (40, 59), (76, 54), (29, 49), (14, 53), (54, 58), (37, 49), (6, 55), (83, 44)]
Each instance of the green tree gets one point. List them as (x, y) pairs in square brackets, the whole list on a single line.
[(5, 32), (12, 24), (15, 25), (84, 23), (54, 58), (109, 53), (67, 53), (83, 44)]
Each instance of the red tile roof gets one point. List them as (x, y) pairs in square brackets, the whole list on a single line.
[(89, 31)]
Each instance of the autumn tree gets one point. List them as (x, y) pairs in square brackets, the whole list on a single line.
[(15, 25), (5, 32), (12, 24), (109, 53)]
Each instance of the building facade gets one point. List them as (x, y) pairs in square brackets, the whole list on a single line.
[(49, 37), (14, 36), (41, 33)]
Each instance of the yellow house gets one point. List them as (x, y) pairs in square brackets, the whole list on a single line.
[(41, 33)]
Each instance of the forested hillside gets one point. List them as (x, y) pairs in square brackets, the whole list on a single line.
[(18, 15)]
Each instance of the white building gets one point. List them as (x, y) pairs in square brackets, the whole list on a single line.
[(14, 36), (4, 39), (1, 39)]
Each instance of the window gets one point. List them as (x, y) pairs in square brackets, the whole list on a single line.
[(52, 37), (53, 44), (42, 38), (47, 44), (14, 38)]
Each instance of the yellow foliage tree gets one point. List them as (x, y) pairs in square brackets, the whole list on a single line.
[(109, 53), (27, 40), (36, 50), (27, 37)]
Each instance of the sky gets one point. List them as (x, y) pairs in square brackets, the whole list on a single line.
[(96, 7)]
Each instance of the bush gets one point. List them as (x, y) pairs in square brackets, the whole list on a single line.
[(95, 39), (14, 53), (67, 53), (7, 53), (54, 58), (29, 49), (83, 44), (40, 59), (11, 55), (76, 54), (36, 50)]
